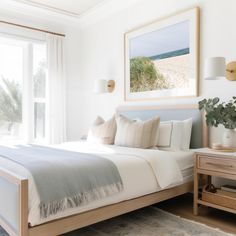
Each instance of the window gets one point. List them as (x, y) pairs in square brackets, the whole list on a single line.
[(39, 95), (23, 100)]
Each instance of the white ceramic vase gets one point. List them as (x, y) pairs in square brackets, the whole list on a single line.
[(229, 138)]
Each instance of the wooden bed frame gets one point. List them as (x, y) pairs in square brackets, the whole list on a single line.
[(80, 220)]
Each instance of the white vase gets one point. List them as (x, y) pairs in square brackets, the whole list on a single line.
[(229, 138)]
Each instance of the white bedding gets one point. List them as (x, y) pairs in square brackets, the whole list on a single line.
[(143, 171)]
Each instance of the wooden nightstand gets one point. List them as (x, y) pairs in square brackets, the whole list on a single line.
[(214, 163)]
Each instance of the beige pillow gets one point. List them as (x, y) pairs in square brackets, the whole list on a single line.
[(137, 134), (102, 131)]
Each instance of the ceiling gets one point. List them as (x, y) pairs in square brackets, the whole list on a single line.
[(79, 13), (68, 7)]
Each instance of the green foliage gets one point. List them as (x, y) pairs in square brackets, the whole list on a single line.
[(219, 113), (144, 76), (10, 102)]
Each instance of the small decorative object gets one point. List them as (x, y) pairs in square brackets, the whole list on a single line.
[(217, 146), (161, 59), (221, 113), (211, 188), (230, 188), (222, 148)]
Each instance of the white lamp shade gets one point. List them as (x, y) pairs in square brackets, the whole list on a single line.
[(100, 86), (215, 68)]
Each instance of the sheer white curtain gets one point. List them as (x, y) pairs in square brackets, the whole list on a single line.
[(56, 130)]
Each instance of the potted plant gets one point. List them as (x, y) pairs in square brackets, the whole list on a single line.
[(223, 113)]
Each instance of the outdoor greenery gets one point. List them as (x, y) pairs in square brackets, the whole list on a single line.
[(11, 96), (10, 102), (219, 112), (144, 76)]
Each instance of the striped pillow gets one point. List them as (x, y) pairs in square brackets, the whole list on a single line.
[(102, 131), (137, 134)]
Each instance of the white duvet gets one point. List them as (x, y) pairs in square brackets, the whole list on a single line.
[(143, 171)]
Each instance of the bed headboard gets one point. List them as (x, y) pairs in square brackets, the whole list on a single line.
[(199, 136)]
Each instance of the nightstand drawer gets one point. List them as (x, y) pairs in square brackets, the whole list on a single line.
[(217, 164)]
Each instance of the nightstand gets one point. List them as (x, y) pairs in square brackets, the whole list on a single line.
[(214, 163)]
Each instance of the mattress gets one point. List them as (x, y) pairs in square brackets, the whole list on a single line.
[(136, 173)]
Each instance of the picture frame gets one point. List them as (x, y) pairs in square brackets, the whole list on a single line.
[(162, 58)]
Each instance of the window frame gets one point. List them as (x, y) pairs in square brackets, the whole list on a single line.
[(28, 98)]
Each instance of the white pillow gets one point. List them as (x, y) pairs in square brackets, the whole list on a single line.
[(164, 136), (179, 137), (102, 131), (187, 133), (137, 134)]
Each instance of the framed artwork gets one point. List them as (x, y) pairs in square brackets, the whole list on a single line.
[(162, 58)]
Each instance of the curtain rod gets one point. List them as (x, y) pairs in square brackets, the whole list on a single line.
[(31, 28)]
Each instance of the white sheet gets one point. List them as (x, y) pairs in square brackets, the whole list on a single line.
[(139, 169)]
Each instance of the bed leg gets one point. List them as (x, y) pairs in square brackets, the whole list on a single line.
[(24, 230)]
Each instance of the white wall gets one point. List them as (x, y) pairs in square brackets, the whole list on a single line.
[(97, 51), (101, 55)]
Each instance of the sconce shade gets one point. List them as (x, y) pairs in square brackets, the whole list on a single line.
[(215, 68), (100, 86)]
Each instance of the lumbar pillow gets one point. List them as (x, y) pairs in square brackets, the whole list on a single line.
[(102, 131), (177, 133), (137, 134)]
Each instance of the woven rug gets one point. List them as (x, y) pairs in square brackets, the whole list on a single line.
[(149, 221)]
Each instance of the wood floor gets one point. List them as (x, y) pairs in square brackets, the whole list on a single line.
[(183, 206)]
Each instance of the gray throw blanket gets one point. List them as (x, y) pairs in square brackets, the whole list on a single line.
[(65, 179)]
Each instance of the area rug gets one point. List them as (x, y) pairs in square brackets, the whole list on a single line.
[(149, 221)]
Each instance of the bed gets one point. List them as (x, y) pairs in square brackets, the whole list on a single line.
[(18, 204)]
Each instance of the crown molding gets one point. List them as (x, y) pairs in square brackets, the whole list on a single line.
[(99, 11), (37, 12), (58, 10)]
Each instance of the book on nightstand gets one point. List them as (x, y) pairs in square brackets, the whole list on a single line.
[(229, 188)]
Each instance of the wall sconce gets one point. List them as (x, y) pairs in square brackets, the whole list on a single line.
[(104, 86), (215, 67), (231, 70)]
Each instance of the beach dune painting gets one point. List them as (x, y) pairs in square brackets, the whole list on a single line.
[(161, 59)]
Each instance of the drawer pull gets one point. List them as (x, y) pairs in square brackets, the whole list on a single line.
[(219, 165)]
